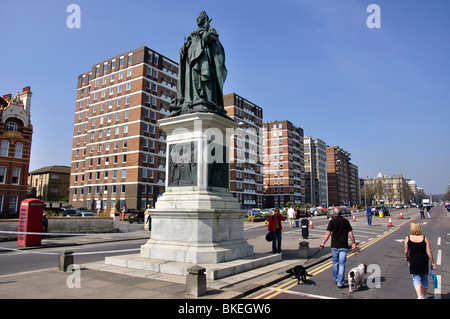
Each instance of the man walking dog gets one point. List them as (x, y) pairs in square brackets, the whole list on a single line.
[(339, 228)]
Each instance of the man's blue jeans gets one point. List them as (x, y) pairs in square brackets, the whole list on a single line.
[(339, 256)]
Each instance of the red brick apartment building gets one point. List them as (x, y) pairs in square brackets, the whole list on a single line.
[(118, 152), (284, 164), (246, 151), (343, 181), (15, 148)]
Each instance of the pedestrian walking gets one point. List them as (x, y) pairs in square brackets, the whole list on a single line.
[(44, 226), (422, 214), (275, 227), (428, 212), (369, 215), (339, 228), (417, 254), (291, 215)]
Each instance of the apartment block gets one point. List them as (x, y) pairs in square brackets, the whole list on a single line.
[(354, 185), (343, 181), (246, 151), (284, 165), (316, 172), (16, 133), (118, 151)]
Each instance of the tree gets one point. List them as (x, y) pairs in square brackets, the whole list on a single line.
[(446, 196)]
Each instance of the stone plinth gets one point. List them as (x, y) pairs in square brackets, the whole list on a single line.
[(197, 220)]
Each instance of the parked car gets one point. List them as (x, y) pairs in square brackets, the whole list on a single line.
[(384, 209), (253, 212), (70, 212), (136, 217), (345, 212), (87, 213)]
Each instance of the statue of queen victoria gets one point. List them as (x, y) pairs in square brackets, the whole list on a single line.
[(202, 72)]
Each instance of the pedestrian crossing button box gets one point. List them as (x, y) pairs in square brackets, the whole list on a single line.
[(30, 221)]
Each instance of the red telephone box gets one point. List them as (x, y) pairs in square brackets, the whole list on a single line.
[(30, 220)]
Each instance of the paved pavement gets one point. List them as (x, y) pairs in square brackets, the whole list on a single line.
[(115, 283)]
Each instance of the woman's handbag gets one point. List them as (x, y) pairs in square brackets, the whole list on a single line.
[(269, 236)]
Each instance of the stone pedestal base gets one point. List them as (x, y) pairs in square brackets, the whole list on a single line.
[(197, 236), (197, 220)]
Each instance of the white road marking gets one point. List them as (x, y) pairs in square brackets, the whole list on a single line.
[(437, 291), (439, 257)]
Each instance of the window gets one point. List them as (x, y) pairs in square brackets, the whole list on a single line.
[(4, 148), (2, 175), (13, 200), (15, 176), (11, 126)]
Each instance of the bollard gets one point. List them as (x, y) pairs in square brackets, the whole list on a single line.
[(65, 259), (303, 249), (196, 281)]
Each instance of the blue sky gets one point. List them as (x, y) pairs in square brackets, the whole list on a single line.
[(381, 94)]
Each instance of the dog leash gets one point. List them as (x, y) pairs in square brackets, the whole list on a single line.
[(354, 252), (312, 255)]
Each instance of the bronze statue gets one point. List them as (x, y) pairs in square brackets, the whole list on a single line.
[(202, 72)]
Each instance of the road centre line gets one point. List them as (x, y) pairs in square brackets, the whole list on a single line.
[(316, 270), (307, 295)]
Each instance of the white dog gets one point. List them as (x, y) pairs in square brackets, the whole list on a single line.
[(356, 277)]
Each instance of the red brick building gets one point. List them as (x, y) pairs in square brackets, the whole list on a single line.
[(15, 147), (118, 152), (284, 164)]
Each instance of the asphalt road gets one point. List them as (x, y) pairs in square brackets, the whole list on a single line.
[(35, 259), (381, 247), (383, 251)]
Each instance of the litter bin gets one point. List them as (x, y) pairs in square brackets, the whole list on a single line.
[(305, 229), (381, 213)]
